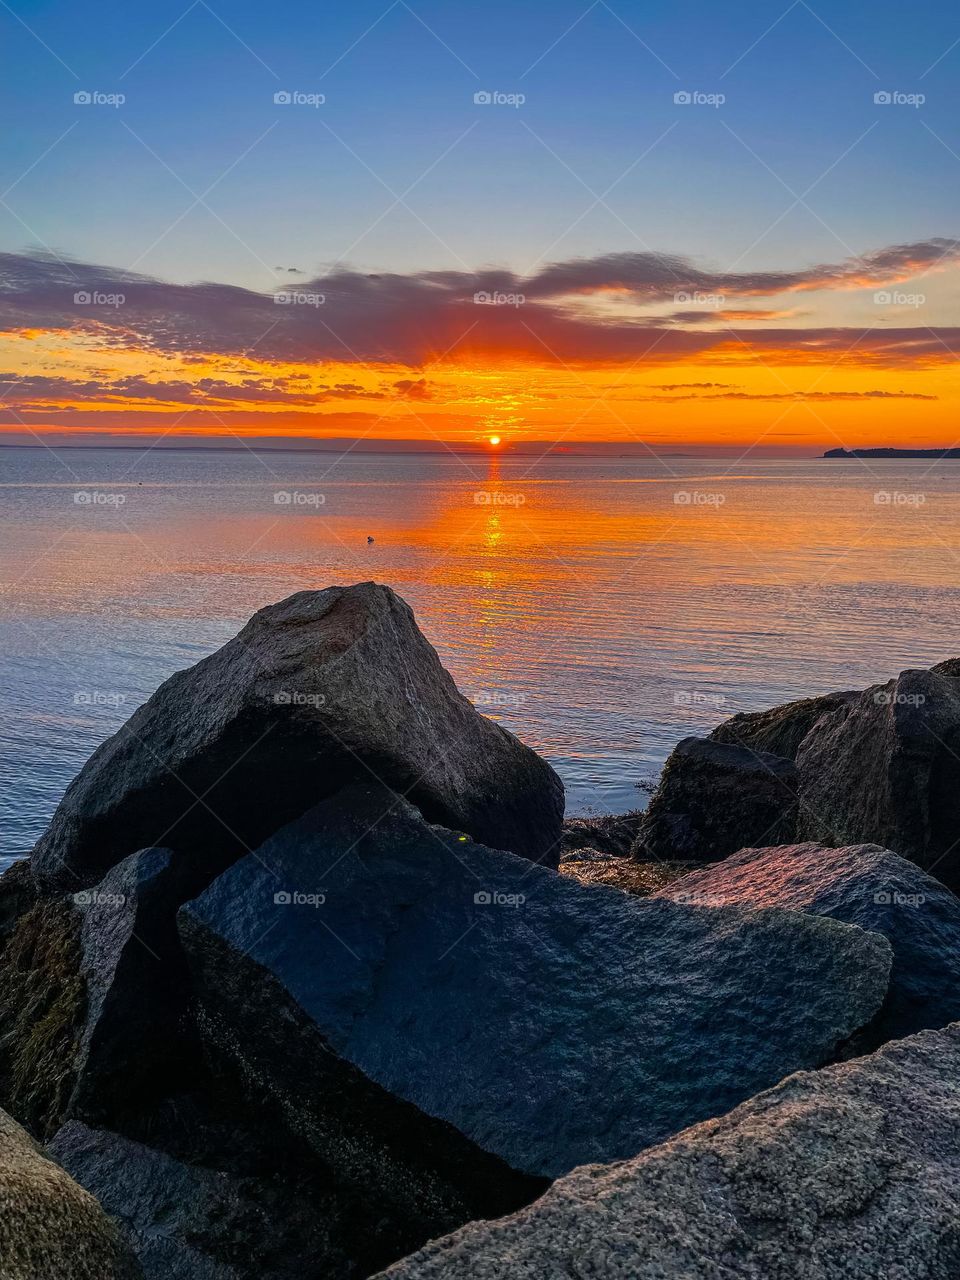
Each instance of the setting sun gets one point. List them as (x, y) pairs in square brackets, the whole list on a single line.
[(494, 440)]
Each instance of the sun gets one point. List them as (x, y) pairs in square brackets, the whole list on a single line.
[(494, 440)]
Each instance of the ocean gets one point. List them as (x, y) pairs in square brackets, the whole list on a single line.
[(600, 608)]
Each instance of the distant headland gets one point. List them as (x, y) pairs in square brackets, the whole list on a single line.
[(892, 453)]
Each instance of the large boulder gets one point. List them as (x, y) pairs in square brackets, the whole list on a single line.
[(316, 692), (713, 799), (370, 969), (862, 885), (50, 1227), (885, 769), (851, 1173), (779, 730)]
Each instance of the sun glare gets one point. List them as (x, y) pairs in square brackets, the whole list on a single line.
[(494, 440)]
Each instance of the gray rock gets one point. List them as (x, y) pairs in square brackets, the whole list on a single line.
[(547, 1022), (779, 730), (320, 690), (851, 1173), (610, 835), (137, 1044), (862, 885), (50, 1228), (885, 769), (713, 799), (18, 893)]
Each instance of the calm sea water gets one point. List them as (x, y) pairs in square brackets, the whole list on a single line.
[(601, 609)]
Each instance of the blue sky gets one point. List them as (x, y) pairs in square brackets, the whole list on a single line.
[(313, 186)]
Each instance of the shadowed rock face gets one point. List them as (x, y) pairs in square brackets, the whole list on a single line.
[(862, 885), (714, 798), (546, 1022), (840, 1174), (885, 768), (49, 1226), (779, 730), (318, 691)]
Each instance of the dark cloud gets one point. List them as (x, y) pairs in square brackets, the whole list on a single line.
[(413, 319)]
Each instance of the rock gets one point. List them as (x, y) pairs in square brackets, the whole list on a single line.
[(713, 799), (196, 1221), (42, 1014), (138, 1043), (499, 1006), (862, 885), (316, 692), (51, 1229), (885, 769), (18, 893), (779, 730), (849, 1173), (612, 835)]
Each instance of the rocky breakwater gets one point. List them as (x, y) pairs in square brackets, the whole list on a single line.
[(293, 985)]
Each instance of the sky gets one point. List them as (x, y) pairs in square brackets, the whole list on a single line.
[(661, 225)]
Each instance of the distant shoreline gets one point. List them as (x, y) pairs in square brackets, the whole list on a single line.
[(943, 454)]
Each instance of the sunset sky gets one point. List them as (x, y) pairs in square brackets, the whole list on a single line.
[(675, 225)]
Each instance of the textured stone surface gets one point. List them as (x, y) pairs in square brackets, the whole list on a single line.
[(713, 799), (640, 878), (850, 1173), (137, 1044), (549, 1022), (315, 692), (885, 768), (18, 893), (779, 730), (50, 1228), (612, 834), (863, 885)]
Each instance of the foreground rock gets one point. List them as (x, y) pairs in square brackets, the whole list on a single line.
[(884, 768), (713, 799), (779, 730), (611, 834), (862, 885), (374, 971), (316, 692), (851, 1173), (50, 1227)]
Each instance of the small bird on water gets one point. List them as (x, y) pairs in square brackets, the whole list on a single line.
[(369, 538)]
